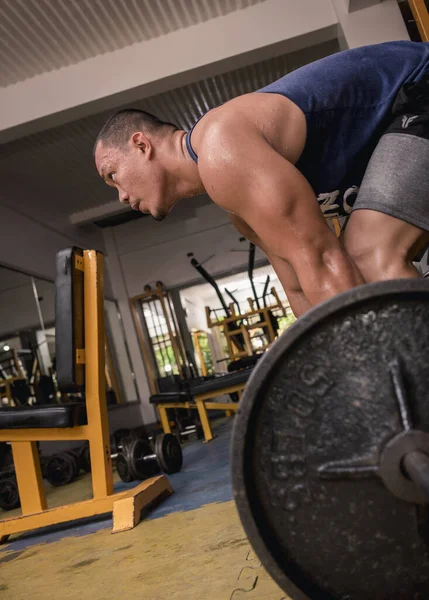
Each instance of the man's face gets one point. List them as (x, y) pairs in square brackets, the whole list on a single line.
[(138, 177)]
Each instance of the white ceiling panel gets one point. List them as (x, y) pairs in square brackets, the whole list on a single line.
[(38, 36)]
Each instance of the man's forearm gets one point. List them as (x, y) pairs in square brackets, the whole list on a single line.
[(320, 276), (327, 274), (290, 284), (298, 303)]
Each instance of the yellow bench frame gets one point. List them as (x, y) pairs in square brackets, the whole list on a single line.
[(126, 506), (202, 406)]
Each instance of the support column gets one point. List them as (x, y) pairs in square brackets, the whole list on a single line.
[(114, 266)]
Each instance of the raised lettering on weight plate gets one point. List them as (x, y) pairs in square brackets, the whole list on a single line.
[(315, 377), (291, 497), (300, 403), (288, 455)]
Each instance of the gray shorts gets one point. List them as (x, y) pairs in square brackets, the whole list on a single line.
[(396, 181)]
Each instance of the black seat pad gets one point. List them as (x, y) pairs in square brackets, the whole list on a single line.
[(215, 384), (165, 397), (221, 382), (43, 417)]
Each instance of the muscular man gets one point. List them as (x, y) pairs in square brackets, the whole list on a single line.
[(347, 135)]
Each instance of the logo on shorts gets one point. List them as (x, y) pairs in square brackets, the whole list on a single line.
[(407, 120), (338, 203)]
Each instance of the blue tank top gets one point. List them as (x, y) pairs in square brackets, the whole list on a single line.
[(347, 99)]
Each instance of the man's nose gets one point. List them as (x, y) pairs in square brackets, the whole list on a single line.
[(123, 197)]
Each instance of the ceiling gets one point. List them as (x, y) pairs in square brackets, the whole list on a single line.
[(54, 169), (38, 36)]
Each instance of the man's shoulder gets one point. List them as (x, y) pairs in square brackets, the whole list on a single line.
[(221, 118), (270, 117), (250, 112)]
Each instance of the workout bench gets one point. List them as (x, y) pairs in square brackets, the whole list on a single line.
[(197, 398), (80, 354)]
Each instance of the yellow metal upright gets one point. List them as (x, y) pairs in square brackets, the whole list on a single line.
[(421, 15), (95, 379), (29, 477), (91, 363)]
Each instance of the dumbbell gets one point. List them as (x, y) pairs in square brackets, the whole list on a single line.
[(81, 457), (139, 460), (9, 494), (60, 469)]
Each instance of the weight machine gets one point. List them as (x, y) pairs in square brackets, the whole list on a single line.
[(248, 333)]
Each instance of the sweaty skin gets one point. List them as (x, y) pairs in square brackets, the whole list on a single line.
[(247, 150)]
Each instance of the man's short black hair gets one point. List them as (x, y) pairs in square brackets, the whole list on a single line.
[(121, 125)]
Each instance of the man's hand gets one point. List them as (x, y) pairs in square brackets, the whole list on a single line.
[(244, 175)]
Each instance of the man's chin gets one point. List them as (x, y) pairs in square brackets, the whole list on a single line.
[(160, 216)]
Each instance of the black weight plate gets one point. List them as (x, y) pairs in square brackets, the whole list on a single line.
[(169, 453), (60, 469), (116, 439), (140, 468), (123, 468), (3, 453), (76, 462), (85, 459), (324, 393), (9, 495), (124, 443), (113, 445)]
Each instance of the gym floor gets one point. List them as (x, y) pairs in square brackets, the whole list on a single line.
[(190, 546)]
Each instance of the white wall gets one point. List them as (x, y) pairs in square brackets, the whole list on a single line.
[(29, 243), (118, 348), (150, 251), (18, 310), (195, 308), (375, 24)]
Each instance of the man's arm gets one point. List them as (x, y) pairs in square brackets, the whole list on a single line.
[(297, 299), (245, 175), (287, 277)]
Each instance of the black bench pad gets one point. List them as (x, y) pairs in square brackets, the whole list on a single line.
[(221, 382), (165, 397), (43, 417), (202, 387)]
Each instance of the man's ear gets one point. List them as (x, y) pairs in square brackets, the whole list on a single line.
[(139, 140)]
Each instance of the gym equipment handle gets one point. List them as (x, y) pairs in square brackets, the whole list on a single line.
[(147, 457)]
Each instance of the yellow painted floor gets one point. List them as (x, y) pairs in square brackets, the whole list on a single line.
[(192, 547), (80, 489), (202, 554)]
